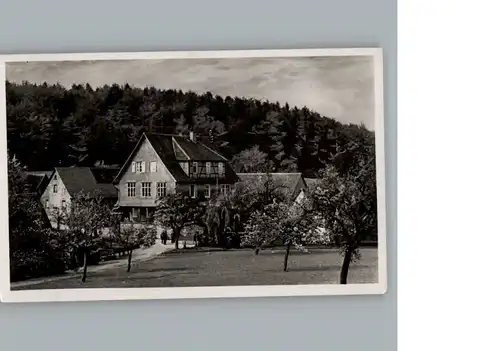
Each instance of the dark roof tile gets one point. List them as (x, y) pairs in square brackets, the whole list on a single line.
[(82, 179)]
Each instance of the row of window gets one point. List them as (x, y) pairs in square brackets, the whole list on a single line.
[(193, 169), (161, 189), (203, 169)]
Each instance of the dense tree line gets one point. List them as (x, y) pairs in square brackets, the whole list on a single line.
[(50, 125)]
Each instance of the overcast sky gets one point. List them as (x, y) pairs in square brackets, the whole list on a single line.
[(338, 87)]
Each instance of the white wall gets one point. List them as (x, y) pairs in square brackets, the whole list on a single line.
[(145, 153)]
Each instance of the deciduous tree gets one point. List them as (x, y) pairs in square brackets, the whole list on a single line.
[(130, 237), (176, 211), (280, 223), (347, 204), (86, 218)]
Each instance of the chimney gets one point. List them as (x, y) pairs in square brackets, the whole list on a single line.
[(150, 125), (192, 137)]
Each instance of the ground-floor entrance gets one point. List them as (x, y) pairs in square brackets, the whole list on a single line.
[(138, 214)]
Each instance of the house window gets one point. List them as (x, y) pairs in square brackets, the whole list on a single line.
[(193, 190), (195, 167), (161, 189), (207, 191), (138, 167), (225, 189), (215, 168), (63, 203), (146, 189), (131, 189), (54, 188), (208, 168), (221, 169), (152, 166)]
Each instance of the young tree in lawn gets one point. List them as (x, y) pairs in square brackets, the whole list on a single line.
[(347, 203), (86, 217), (176, 211), (130, 238), (280, 222), (250, 197)]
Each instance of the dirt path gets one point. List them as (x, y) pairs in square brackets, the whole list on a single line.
[(138, 256)]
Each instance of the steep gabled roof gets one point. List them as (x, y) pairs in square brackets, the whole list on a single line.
[(88, 180), (174, 148), (196, 151), (290, 183), (164, 147)]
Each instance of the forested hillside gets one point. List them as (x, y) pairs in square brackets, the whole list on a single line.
[(49, 125)]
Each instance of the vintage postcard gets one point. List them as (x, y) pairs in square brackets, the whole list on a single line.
[(192, 175)]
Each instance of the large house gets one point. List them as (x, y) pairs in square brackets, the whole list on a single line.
[(166, 163), (65, 182)]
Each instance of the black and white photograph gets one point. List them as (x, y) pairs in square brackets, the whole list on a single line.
[(192, 174)]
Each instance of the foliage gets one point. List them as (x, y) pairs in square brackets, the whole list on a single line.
[(226, 214), (281, 223), (128, 237), (85, 219), (347, 203), (222, 220), (49, 125), (251, 160), (33, 250), (176, 211)]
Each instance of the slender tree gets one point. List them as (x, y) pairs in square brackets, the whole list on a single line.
[(86, 218), (130, 238), (278, 222)]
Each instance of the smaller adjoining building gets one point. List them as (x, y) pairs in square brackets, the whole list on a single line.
[(66, 182)]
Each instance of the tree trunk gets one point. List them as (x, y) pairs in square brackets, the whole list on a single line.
[(176, 234), (345, 266), (177, 237), (85, 264), (287, 253), (129, 260)]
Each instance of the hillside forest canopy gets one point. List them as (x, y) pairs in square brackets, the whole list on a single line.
[(51, 125)]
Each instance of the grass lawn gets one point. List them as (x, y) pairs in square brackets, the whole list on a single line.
[(223, 268)]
